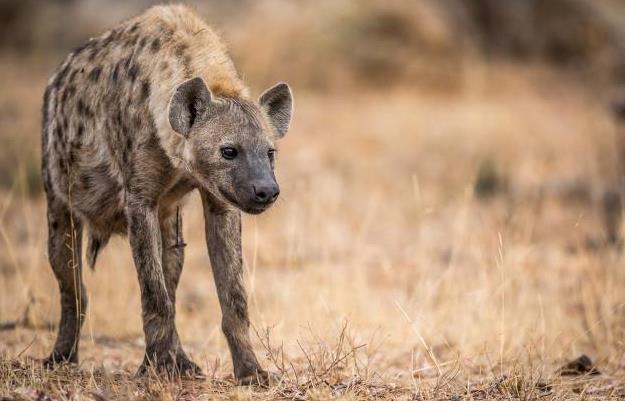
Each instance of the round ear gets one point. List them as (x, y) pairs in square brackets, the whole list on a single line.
[(190, 101), (277, 102)]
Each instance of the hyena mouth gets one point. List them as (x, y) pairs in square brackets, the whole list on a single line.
[(247, 209), (255, 210)]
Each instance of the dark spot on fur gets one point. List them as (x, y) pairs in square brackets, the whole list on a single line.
[(94, 75), (115, 73), (134, 27), (72, 156), (239, 304), (145, 90), (81, 107), (54, 225), (124, 156), (156, 45), (132, 72), (84, 110), (180, 49), (119, 120), (80, 131), (127, 148), (143, 42)]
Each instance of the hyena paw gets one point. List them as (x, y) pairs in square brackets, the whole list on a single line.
[(172, 366), (59, 358), (260, 378), (188, 368)]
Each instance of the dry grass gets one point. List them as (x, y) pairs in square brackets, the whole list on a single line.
[(381, 273)]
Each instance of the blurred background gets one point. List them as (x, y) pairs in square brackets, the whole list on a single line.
[(565, 49), (454, 173)]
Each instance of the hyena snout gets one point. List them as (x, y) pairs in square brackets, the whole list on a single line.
[(265, 192), (257, 196)]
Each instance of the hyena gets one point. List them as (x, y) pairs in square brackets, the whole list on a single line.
[(133, 121)]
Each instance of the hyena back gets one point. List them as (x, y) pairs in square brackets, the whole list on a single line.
[(133, 121)]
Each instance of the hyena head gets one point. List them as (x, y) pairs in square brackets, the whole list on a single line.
[(229, 142)]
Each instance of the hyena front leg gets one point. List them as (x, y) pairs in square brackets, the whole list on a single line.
[(173, 260), (223, 238), (64, 252), (158, 311)]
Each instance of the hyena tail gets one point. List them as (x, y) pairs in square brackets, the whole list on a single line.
[(95, 245)]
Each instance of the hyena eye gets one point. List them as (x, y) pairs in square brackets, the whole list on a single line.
[(229, 153), (271, 153)]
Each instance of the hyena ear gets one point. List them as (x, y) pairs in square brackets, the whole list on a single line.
[(277, 102), (190, 101)]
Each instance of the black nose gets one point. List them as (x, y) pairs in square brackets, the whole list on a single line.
[(266, 193)]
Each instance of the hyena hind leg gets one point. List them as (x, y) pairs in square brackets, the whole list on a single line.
[(64, 252)]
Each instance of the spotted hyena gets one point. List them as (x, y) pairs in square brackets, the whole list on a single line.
[(133, 121)]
